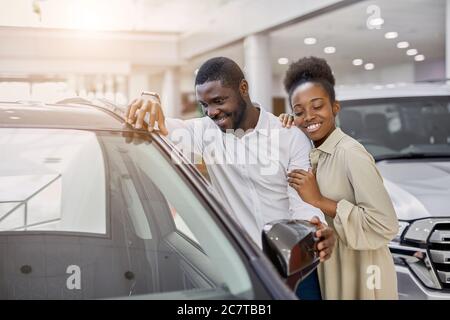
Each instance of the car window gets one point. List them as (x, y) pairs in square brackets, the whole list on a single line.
[(181, 225), (37, 165), (96, 217), (399, 125)]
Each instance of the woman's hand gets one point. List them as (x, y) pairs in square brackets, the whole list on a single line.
[(286, 120), (305, 183)]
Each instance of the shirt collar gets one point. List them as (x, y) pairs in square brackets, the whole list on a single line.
[(331, 142), (262, 126)]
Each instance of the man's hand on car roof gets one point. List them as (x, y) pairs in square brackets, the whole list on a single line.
[(138, 109)]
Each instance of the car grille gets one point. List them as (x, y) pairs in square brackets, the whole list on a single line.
[(439, 246), (432, 236)]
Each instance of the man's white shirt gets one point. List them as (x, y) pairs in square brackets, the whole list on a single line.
[(250, 173)]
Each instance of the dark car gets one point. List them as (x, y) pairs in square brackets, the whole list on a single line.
[(91, 208)]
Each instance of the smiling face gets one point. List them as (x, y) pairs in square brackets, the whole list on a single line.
[(314, 112), (224, 105)]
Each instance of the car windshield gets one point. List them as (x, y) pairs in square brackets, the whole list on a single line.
[(87, 215), (399, 127)]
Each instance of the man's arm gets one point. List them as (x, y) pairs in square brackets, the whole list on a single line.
[(300, 148), (299, 159)]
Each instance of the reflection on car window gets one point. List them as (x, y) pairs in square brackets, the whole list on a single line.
[(40, 210), (396, 126), (91, 216), (181, 225), (43, 181)]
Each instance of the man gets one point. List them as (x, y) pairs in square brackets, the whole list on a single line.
[(247, 151)]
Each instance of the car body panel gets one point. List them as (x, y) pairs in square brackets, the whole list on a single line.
[(402, 90), (62, 116), (419, 189)]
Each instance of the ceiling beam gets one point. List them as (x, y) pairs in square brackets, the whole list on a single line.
[(41, 50), (238, 21)]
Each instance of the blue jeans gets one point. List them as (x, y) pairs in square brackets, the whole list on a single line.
[(309, 288)]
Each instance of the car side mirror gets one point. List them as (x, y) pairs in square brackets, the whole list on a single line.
[(290, 245)]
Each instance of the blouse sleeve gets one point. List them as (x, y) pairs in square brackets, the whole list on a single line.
[(370, 222)]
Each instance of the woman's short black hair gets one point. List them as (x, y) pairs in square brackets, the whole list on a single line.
[(220, 68), (310, 69)]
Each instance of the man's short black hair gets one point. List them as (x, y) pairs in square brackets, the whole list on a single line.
[(220, 68)]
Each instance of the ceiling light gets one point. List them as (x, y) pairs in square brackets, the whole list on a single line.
[(283, 61), (411, 52), (419, 57), (376, 22), (357, 62), (391, 35), (402, 45), (310, 41), (378, 87), (390, 85), (14, 118), (329, 50), (369, 66)]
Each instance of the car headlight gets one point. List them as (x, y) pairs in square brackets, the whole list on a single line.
[(395, 243), (414, 257), (402, 226)]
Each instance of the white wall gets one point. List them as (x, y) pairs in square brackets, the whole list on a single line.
[(277, 86), (187, 81), (389, 74)]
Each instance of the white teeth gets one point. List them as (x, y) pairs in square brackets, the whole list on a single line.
[(313, 127)]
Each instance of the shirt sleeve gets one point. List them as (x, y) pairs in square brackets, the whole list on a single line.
[(187, 135), (299, 159), (371, 222)]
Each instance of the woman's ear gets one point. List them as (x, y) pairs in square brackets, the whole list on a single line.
[(243, 88), (336, 108)]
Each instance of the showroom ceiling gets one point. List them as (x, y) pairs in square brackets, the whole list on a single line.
[(421, 23)]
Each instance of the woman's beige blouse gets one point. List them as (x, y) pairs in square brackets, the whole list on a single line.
[(361, 266)]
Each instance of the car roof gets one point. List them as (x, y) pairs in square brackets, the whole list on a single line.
[(402, 90), (64, 115)]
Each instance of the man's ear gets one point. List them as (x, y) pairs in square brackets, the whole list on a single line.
[(243, 88), (336, 108)]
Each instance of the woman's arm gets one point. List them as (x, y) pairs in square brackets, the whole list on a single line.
[(327, 206), (367, 224), (305, 183), (370, 222)]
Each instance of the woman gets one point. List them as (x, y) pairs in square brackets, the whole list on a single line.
[(346, 185)]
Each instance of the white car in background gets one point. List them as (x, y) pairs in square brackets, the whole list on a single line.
[(407, 130)]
